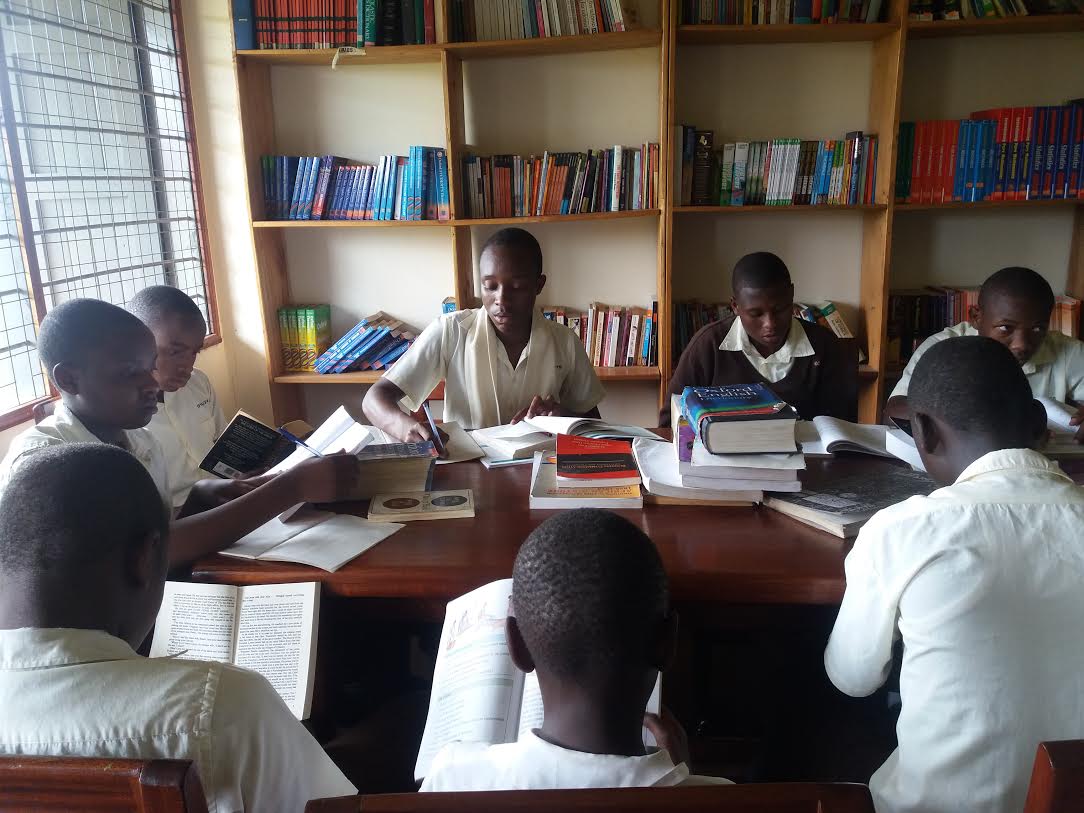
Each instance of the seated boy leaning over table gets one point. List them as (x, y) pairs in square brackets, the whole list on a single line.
[(500, 363), (592, 618), (982, 580), (102, 360), (764, 342), (1014, 308), (83, 557)]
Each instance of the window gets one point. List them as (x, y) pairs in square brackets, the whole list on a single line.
[(98, 175)]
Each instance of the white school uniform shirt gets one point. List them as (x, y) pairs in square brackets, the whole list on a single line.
[(186, 425), (482, 387), (1055, 371), (778, 364), (64, 427), (534, 764), (984, 581), (69, 692)]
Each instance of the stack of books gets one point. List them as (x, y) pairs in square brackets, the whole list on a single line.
[(310, 24), (412, 187), (481, 20), (617, 179), (305, 333), (929, 10), (780, 172), (613, 336), (374, 343), (740, 419), (586, 473), (775, 12), (1006, 153)]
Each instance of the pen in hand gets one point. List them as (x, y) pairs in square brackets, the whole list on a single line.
[(290, 436), (437, 440)]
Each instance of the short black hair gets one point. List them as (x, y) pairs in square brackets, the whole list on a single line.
[(588, 589), (1020, 283), (761, 269), (974, 384), (157, 302), (67, 507), (516, 238), (72, 328)]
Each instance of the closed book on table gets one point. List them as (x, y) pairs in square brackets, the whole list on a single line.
[(740, 418), (595, 463), (546, 493)]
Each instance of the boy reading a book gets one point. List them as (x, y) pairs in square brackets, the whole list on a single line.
[(500, 363), (83, 557), (592, 618), (763, 342), (981, 579), (1014, 308), (102, 361)]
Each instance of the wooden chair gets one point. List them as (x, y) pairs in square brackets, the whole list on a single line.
[(98, 785), (769, 798), (1057, 780), (43, 409)]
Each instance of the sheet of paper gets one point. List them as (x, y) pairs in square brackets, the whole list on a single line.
[(902, 446), (274, 532), (702, 457), (1058, 416), (657, 462), (332, 543), (460, 445), (196, 622), (339, 433)]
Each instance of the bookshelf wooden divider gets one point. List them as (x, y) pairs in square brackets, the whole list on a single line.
[(888, 42)]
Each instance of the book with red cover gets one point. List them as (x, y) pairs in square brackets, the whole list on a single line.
[(595, 463)]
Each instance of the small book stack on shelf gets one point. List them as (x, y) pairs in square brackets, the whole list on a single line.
[(484, 20), (374, 343), (779, 12), (613, 336), (928, 10), (781, 172), (305, 332), (1008, 153), (560, 183), (311, 24), (413, 187)]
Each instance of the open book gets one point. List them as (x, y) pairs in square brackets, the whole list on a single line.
[(517, 441), (1062, 442), (824, 436), (339, 433), (478, 693), (247, 444), (270, 629)]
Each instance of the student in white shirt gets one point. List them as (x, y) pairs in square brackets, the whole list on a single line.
[(188, 418), (983, 582), (500, 363), (592, 618), (83, 557), (102, 360), (1014, 308)]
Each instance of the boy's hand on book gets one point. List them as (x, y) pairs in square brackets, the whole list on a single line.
[(418, 432), (213, 493), (669, 734), (326, 479), (538, 406)]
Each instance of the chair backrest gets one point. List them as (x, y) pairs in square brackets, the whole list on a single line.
[(773, 798), (1057, 780), (99, 785), (43, 409)]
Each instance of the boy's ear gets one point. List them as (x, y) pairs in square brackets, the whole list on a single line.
[(517, 647), (66, 378), (927, 434), (146, 561), (1037, 424), (974, 316), (733, 304), (541, 284), (664, 649)]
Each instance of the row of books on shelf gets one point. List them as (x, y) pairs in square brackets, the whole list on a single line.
[(413, 187), (780, 172), (374, 343), (779, 12), (309, 24), (914, 315), (613, 336), (928, 10), (1007, 153), (560, 183), (483, 20)]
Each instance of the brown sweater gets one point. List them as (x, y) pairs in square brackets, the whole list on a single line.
[(825, 383)]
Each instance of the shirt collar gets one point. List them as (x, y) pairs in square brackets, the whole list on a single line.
[(645, 771), (31, 648), (537, 320), (136, 440), (796, 346), (1011, 459)]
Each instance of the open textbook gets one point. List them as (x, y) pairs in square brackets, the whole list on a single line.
[(478, 694), (270, 629), (824, 436), (1062, 442), (521, 440)]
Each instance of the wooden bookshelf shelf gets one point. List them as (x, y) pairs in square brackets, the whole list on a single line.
[(515, 221), (541, 46), (479, 221), (628, 373), (752, 210), (371, 376), (866, 373), (1038, 24), (986, 205), (773, 34), (383, 55)]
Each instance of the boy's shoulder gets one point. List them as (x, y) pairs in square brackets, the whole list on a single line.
[(461, 766)]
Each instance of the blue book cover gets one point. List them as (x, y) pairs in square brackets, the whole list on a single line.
[(818, 174), (352, 210), (308, 194), (406, 197), (388, 358), (1055, 118), (444, 203), (1076, 155), (267, 167), (958, 180), (1038, 153), (298, 184), (345, 343), (244, 25), (731, 403), (342, 184), (375, 350), (974, 150), (289, 179), (1061, 159), (365, 185), (380, 188), (387, 200), (281, 173), (358, 350), (803, 11), (416, 209)]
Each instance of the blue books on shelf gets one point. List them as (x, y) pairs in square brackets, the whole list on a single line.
[(244, 25)]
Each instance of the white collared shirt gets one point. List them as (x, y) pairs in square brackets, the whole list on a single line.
[(984, 580), (64, 427), (1055, 371), (84, 692), (534, 764), (482, 387), (186, 425), (778, 364)]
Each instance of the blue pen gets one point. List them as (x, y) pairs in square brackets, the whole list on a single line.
[(290, 436), (433, 428)]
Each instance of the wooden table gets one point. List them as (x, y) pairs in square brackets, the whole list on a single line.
[(712, 555)]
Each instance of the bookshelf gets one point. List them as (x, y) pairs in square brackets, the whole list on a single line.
[(687, 244)]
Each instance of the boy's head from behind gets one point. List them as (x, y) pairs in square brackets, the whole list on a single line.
[(968, 396), (1014, 309), (763, 299), (102, 360), (179, 330), (511, 270), (83, 542), (591, 606)]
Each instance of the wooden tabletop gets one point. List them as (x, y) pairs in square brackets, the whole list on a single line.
[(713, 555)]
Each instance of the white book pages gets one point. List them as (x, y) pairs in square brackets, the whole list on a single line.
[(793, 461)]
